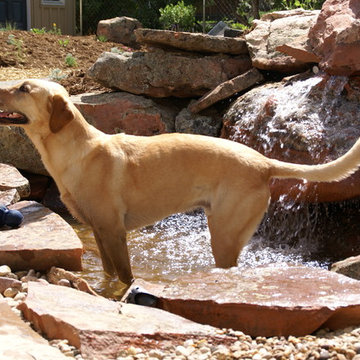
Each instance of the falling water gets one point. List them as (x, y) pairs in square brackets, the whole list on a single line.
[(302, 114)]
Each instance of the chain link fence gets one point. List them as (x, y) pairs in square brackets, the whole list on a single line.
[(90, 12)]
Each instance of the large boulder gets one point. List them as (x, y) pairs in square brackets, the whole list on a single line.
[(119, 29), (275, 30), (163, 74), (196, 42), (305, 119), (265, 301), (335, 37), (18, 150), (123, 112)]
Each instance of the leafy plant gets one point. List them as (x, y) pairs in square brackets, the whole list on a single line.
[(55, 30), (178, 17), (70, 60), (64, 43), (38, 31), (57, 75), (8, 27), (102, 38), (17, 43)]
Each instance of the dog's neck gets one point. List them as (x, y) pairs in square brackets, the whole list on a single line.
[(78, 132)]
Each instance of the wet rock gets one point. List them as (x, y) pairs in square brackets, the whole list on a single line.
[(187, 122), (17, 149), (227, 89), (19, 341), (43, 240), (277, 29), (10, 178), (101, 328), (164, 74), (335, 37), (305, 119), (123, 112), (349, 267), (196, 42), (265, 301), (119, 29)]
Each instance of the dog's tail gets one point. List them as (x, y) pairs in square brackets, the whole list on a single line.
[(335, 170)]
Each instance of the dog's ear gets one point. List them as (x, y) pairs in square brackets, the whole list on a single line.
[(61, 114)]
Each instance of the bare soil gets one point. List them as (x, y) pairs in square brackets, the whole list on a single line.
[(28, 55)]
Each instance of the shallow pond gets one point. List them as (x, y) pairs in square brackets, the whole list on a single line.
[(314, 235)]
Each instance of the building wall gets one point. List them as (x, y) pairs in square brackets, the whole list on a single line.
[(45, 15)]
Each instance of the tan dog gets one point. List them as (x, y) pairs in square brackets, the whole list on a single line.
[(116, 183)]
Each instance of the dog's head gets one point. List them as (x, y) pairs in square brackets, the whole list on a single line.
[(36, 105)]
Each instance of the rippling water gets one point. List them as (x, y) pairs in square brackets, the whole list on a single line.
[(312, 235)]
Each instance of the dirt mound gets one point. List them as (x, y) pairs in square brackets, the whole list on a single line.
[(63, 58)]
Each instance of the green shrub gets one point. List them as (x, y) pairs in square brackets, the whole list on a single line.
[(178, 17)]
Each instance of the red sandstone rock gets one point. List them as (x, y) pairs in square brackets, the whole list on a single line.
[(335, 37), (100, 328), (119, 29), (43, 240), (266, 301), (227, 89), (124, 112), (273, 31), (9, 197), (196, 42), (19, 341)]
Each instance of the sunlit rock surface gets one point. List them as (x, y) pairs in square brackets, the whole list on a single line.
[(335, 37), (309, 119), (99, 327), (162, 74), (43, 240), (275, 30), (19, 341), (265, 301)]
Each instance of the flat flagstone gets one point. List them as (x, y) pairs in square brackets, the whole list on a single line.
[(227, 89), (265, 301), (192, 41), (99, 327), (19, 341), (43, 240)]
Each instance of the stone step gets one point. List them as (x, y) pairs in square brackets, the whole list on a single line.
[(19, 341), (101, 328), (265, 301), (43, 240)]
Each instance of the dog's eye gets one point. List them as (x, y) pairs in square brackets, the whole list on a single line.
[(24, 88)]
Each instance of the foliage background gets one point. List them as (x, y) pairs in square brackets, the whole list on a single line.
[(147, 11)]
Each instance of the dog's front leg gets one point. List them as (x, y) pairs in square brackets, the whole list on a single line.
[(114, 252)]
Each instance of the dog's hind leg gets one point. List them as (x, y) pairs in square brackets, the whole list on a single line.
[(233, 224)]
